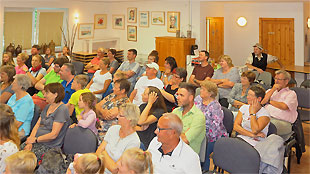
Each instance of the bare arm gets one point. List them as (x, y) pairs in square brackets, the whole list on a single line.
[(18, 123), (238, 128), (50, 61), (40, 84), (105, 87), (70, 108), (5, 96), (90, 83), (280, 63), (112, 70), (109, 163), (53, 134), (253, 67), (133, 95), (168, 96), (191, 80)]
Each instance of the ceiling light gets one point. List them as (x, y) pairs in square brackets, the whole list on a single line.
[(242, 21)]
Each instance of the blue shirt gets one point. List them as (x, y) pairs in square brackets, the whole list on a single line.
[(23, 110), (68, 91)]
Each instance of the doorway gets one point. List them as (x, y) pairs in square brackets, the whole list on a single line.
[(215, 37)]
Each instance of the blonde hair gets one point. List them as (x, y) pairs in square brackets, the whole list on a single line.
[(227, 59), (106, 61), (89, 163), (138, 160), (119, 74), (131, 112), (210, 87), (101, 50), (22, 162), (23, 56), (82, 80)]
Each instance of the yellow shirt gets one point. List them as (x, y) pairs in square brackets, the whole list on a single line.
[(75, 99)]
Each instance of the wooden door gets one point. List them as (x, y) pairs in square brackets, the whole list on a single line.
[(215, 37), (277, 37)]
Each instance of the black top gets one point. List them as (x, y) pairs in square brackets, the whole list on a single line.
[(170, 106), (262, 63), (147, 135)]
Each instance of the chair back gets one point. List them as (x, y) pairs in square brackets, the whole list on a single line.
[(228, 120), (305, 83), (36, 116), (303, 97), (266, 77), (203, 149), (80, 140), (272, 129), (79, 67), (235, 156)]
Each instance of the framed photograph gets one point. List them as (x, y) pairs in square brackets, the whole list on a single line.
[(158, 18), (100, 21), (144, 19), (173, 21), (132, 33), (132, 15), (118, 22), (86, 31)]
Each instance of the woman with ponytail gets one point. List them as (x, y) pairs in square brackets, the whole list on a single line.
[(88, 163)]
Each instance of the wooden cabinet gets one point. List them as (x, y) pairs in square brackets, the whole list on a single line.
[(175, 47)]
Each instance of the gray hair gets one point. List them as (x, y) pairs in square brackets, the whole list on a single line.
[(174, 122), (23, 81), (285, 73), (70, 67), (131, 112)]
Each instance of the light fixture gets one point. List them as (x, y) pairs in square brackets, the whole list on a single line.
[(308, 22), (241, 21), (76, 18)]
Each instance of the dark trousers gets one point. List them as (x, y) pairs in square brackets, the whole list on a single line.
[(224, 102)]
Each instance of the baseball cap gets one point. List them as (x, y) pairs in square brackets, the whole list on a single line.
[(258, 45), (153, 65)]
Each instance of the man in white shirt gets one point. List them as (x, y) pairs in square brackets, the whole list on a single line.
[(170, 154), (145, 81)]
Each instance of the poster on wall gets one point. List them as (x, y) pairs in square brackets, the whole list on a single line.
[(144, 19), (132, 15), (173, 21), (86, 31), (100, 21), (132, 33), (118, 22), (158, 18)]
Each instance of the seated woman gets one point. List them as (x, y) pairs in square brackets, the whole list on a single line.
[(151, 110), (7, 73), (253, 120), (49, 57), (93, 65), (65, 53), (211, 108), (113, 62), (238, 94), (35, 73), (9, 139), (120, 137), (21, 67), (101, 80), (50, 129), (22, 104), (135, 161), (169, 92), (225, 78), (7, 59), (170, 66)]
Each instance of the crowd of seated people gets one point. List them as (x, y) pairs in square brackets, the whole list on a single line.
[(130, 106)]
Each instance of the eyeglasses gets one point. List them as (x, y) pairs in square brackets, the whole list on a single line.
[(159, 129), (279, 79), (176, 76), (121, 115)]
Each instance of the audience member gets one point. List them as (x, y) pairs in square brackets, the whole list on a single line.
[(135, 161), (151, 110), (7, 73), (170, 66), (258, 60), (101, 80), (169, 92), (202, 71), (21, 162), (120, 137), (170, 154), (214, 115), (7, 59), (93, 65), (36, 73), (153, 57), (50, 129), (281, 102), (225, 78), (194, 122), (88, 163), (149, 80), (35, 50), (67, 74), (21, 68), (49, 57), (113, 62), (9, 139), (22, 104), (65, 53), (252, 121)]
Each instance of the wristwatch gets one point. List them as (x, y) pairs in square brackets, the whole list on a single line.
[(253, 115), (36, 141)]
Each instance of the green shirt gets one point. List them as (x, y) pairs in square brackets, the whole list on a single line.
[(194, 126), (74, 100), (51, 77)]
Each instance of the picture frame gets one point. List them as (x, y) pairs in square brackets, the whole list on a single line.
[(86, 30), (173, 21), (143, 19), (132, 15), (158, 18), (132, 33), (100, 21), (118, 22)]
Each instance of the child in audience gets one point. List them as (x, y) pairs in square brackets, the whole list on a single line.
[(7, 59), (87, 118), (88, 163), (21, 162)]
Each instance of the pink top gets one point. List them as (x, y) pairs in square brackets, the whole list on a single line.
[(94, 61), (288, 97), (89, 121), (19, 70)]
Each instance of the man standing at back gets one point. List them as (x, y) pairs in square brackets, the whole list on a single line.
[(194, 122)]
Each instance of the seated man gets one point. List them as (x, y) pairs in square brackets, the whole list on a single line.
[(35, 50), (281, 102), (170, 154), (258, 60), (67, 73), (194, 122), (202, 71)]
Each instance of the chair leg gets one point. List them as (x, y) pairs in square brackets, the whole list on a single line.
[(298, 153)]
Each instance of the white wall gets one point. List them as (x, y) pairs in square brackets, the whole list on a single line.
[(307, 31)]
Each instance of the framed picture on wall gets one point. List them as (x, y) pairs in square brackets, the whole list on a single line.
[(173, 21), (86, 31), (158, 18), (118, 22), (132, 15), (144, 19), (100, 21), (132, 33)]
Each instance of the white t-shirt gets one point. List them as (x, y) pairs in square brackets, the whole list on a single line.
[(142, 84), (117, 145), (98, 82), (6, 150)]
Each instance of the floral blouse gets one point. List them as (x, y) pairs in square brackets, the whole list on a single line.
[(214, 119)]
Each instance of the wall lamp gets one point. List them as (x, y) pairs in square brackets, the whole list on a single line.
[(241, 21)]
